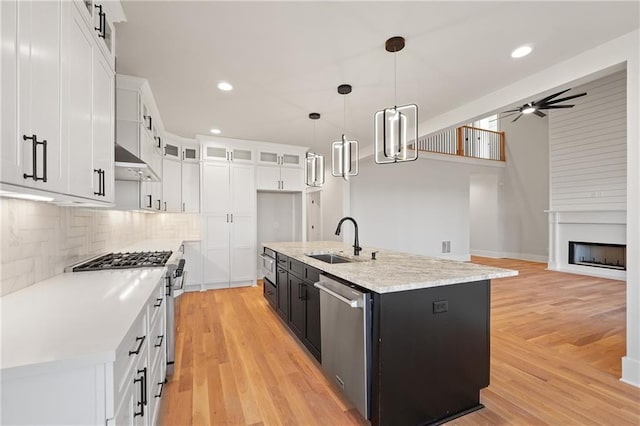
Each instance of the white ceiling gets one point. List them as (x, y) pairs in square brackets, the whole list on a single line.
[(286, 59)]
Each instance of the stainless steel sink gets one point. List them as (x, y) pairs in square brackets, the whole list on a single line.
[(331, 258)]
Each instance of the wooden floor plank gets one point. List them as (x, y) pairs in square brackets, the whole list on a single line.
[(556, 346)]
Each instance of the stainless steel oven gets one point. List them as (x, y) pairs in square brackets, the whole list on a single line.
[(269, 264), (269, 283)]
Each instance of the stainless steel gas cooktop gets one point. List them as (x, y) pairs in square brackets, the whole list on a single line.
[(141, 259)]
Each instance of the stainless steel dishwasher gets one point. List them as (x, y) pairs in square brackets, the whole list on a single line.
[(345, 320)]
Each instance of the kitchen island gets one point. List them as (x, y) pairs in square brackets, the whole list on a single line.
[(427, 334)]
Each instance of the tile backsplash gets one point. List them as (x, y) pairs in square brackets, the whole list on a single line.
[(40, 239)]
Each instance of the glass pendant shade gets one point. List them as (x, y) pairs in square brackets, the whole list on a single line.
[(314, 170), (344, 158), (396, 134)]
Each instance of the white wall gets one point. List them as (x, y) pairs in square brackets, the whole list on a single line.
[(335, 194), (587, 66), (588, 145), (525, 192), (485, 214), (414, 207)]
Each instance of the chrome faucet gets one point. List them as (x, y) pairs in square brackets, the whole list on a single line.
[(356, 243)]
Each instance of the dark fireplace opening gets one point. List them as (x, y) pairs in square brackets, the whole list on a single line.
[(611, 256)]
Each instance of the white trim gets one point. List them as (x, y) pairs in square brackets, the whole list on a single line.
[(630, 371), (510, 255)]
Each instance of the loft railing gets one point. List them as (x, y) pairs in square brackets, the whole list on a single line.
[(466, 141)]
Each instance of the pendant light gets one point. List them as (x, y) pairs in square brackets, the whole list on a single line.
[(314, 176), (344, 153), (396, 128)]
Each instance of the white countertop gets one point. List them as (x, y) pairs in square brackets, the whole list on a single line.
[(75, 316), (392, 271)]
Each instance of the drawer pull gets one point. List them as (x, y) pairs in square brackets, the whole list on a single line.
[(161, 389), (161, 338), (158, 302), (140, 341), (143, 392)]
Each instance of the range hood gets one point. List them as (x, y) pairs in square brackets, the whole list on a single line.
[(130, 167)]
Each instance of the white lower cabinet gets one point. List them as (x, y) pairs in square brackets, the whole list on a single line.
[(83, 391)]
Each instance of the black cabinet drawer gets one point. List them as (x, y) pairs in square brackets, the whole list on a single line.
[(270, 293), (283, 261), (296, 268), (311, 274)]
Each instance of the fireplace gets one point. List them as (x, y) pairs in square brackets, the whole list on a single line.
[(599, 255)]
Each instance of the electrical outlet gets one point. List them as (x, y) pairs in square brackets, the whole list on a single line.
[(446, 247), (440, 306)]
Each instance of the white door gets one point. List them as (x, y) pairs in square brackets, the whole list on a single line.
[(39, 80), (171, 185), (292, 179), (77, 88), (103, 118), (190, 187), (268, 178), (314, 216)]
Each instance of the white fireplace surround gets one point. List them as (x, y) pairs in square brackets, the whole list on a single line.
[(596, 226)]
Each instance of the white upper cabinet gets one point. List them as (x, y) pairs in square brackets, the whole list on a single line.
[(57, 102), (279, 158), (99, 16), (32, 151), (279, 170), (190, 187), (88, 122), (171, 149), (190, 153), (224, 151), (171, 185)]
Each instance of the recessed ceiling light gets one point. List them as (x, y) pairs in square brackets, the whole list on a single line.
[(521, 51), (215, 131), (224, 86)]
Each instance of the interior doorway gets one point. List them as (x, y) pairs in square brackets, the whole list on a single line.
[(314, 216)]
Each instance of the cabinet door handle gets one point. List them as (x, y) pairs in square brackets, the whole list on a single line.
[(104, 183), (231, 155), (100, 181), (99, 29), (143, 392), (158, 205), (159, 344), (227, 217), (149, 206), (34, 155), (159, 394), (159, 142), (299, 292), (165, 206), (183, 208), (140, 341), (158, 302)]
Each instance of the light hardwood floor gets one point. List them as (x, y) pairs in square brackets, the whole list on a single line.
[(556, 344)]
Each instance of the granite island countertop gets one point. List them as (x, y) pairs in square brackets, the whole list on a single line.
[(392, 271)]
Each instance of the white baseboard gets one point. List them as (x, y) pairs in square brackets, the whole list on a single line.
[(509, 255), (630, 371), (612, 274)]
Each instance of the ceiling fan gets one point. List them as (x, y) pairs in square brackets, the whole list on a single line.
[(545, 103)]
